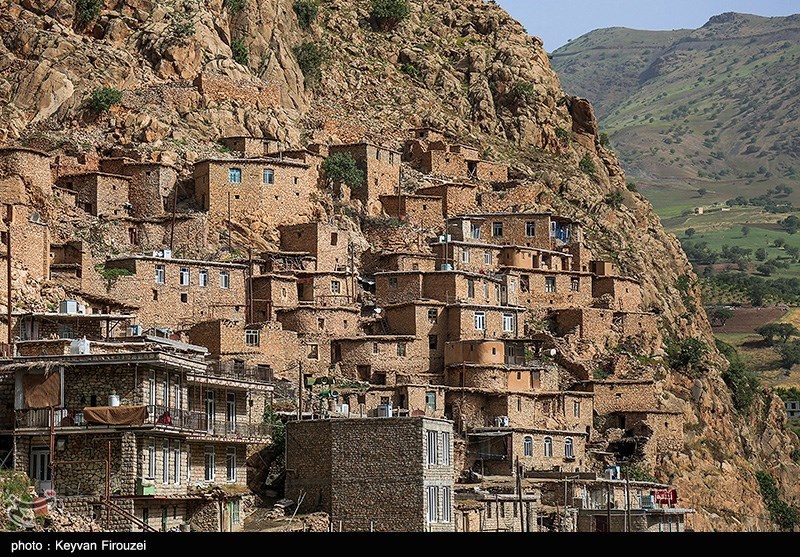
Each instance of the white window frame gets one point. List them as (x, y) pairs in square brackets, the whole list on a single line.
[(575, 285), (268, 176), (202, 278), (336, 287), (230, 412), (475, 229), (176, 464), (550, 284), (209, 464), (465, 255), (508, 322), (161, 274), (447, 501), (498, 227), (230, 471), (547, 446), (576, 408), (487, 257), (445, 448), (480, 320), (235, 175), (569, 448), (433, 504), (151, 459), (165, 456), (225, 279), (432, 449), (527, 446), (185, 276), (252, 337), (528, 226)]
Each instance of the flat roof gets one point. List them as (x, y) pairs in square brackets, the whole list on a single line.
[(374, 338), (413, 196), (259, 160), (359, 143), (53, 314), (268, 138), (151, 357), (512, 214), (500, 246), (94, 173), (175, 260), (25, 149), (448, 185), (452, 271)]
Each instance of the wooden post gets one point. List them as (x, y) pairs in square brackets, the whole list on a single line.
[(174, 210), (108, 486), (519, 496), (627, 504), (608, 506), (9, 220), (230, 249), (300, 391)]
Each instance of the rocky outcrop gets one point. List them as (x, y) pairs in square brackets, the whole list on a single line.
[(461, 65)]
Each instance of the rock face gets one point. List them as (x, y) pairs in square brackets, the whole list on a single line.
[(460, 65)]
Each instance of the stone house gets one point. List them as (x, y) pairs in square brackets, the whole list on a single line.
[(544, 231), (30, 242), (67, 262), (379, 359), (251, 147), (328, 244), (373, 474), (72, 323), (445, 286), (174, 294), (171, 430), (406, 261), (428, 152), (271, 291), (381, 167), (472, 257), (98, 193), (485, 511), (457, 197), (276, 191), (423, 211), (621, 293), (152, 185), (23, 170)]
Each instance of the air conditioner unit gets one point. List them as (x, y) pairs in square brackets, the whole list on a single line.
[(501, 421), (442, 239), (163, 253), (135, 330), (384, 411), (445, 267), (344, 409), (79, 346), (68, 306), (613, 473)]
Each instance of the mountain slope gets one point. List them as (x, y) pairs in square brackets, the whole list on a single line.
[(464, 66), (715, 107)]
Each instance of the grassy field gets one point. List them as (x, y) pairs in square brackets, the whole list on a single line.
[(762, 359)]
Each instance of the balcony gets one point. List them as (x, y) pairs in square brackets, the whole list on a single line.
[(160, 417), (237, 371)]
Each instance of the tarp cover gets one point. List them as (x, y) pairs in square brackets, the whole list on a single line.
[(41, 390), (115, 415)]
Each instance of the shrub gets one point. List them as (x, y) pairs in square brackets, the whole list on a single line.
[(387, 14), (310, 57), (240, 52), (87, 10), (103, 98), (234, 6), (690, 232), (781, 513), (587, 165), (632, 186), (523, 92), (781, 331), (278, 428), (720, 314), (614, 199), (604, 139), (790, 354), (342, 168), (563, 135), (686, 355), (307, 11), (412, 71), (111, 275), (742, 382), (637, 473)]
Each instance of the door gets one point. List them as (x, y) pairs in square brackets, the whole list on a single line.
[(163, 519), (230, 413), (210, 409), (40, 467), (601, 523)]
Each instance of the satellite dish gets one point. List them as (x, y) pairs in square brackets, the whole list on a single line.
[(378, 311), (35, 217), (552, 351)]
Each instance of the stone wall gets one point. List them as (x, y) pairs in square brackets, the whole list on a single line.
[(381, 168), (457, 198), (327, 243), (421, 211), (152, 185), (626, 294), (30, 244), (24, 175), (623, 396)]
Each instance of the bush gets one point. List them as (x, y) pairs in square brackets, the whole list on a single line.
[(387, 14), (587, 165), (637, 473), (241, 54), (631, 186), (234, 6), (781, 331), (614, 199), (111, 275), (342, 168), (790, 354), (781, 513), (690, 232), (278, 429), (604, 139), (523, 92), (563, 135), (103, 98), (412, 71), (742, 382), (686, 355), (719, 315), (87, 10), (310, 57), (307, 11)]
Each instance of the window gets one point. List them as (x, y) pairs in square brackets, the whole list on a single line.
[(202, 277), (160, 274), (568, 448), (321, 323), (235, 512), (313, 352), (446, 504), (184, 298), (432, 446), (224, 279), (235, 175), (334, 238), (527, 446), (476, 231), (575, 285), (151, 384), (401, 349), (133, 236), (433, 314), (210, 410), (252, 337), (230, 412), (175, 473), (487, 258), (497, 229), (549, 284), (465, 255), (430, 400), (65, 331), (530, 229), (576, 409), (433, 503), (40, 464), (269, 176), (209, 463), (470, 288), (445, 448), (480, 321), (146, 516), (377, 154), (508, 322), (295, 180), (433, 342), (184, 276), (548, 446), (165, 461), (375, 348), (336, 287), (392, 282)]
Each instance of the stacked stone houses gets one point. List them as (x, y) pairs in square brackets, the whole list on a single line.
[(142, 394)]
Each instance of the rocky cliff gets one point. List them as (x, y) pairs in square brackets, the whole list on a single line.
[(464, 66)]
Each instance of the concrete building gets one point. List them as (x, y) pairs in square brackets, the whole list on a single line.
[(373, 474)]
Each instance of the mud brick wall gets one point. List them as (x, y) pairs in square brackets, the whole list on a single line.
[(327, 243), (617, 396), (252, 146), (23, 169), (30, 244), (406, 262), (270, 292), (160, 302), (419, 211), (392, 288), (491, 171), (587, 323), (152, 188), (450, 286), (457, 198), (286, 201), (381, 168), (626, 293), (7, 400)]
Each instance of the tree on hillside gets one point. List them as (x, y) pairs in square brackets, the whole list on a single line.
[(689, 232), (790, 354), (719, 315), (777, 331), (702, 192), (791, 224), (341, 168), (761, 254), (745, 230)]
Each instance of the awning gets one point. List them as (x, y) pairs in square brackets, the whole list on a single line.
[(115, 415), (488, 433), (41, 390)]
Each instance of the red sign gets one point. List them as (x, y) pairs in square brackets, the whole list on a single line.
[(666, 496)]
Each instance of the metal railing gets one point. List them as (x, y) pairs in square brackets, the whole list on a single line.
[(158, 416), (238, 370)]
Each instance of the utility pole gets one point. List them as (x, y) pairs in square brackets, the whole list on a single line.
[(627, 504), (9, 220), (250, 285), (174, 210), (519, 496), (230, 249), (608, 507), (108, 486), (300, 391)]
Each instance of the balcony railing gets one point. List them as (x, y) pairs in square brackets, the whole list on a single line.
[(157, 416), (239, 371)]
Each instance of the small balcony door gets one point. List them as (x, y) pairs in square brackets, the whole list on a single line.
[(230, 413), (210, 410)]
